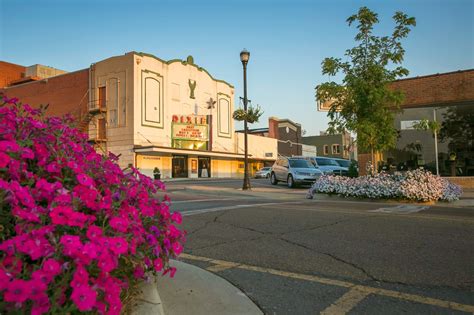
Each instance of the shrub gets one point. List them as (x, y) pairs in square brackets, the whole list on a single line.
[(76, 233), (418, 185)]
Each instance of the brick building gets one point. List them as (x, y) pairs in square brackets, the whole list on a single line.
[(10, 72), (448, 99), (289, 136), (338, 146)]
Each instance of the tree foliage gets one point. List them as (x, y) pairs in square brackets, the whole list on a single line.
[(363, 103), (458, 128)]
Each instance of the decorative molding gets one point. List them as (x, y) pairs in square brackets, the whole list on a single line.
[(192, 87), (220, 132), (147, 121), (183, 62)]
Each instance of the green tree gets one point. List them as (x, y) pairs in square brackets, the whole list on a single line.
[(363, 103)]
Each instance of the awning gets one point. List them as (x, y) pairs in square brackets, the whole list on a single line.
[(157, 150)]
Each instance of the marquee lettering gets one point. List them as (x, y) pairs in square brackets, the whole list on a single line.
[(196, 120)]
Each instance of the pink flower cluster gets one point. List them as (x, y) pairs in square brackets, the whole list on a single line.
[(76, 233)]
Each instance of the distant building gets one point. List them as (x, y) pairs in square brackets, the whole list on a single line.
[(12, 74), (338, 145), (288, 134)]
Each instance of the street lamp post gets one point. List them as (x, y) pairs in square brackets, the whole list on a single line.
[(244, 58)]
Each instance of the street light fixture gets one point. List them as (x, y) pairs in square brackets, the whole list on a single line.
[(244, 58)]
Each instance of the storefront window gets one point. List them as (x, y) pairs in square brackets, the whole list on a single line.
[(455, 145)]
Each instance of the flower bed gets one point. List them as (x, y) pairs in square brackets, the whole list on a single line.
[(418, 185), (76, 233)]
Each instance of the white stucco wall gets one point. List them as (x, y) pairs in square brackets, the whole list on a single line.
[(116, 73), (174, 99), (258, 147)]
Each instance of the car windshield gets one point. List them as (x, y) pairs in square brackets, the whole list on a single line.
[(344, 163), (265, 169), (301, 164), (326, 162)]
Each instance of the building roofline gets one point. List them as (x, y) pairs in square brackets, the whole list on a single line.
[(11, 63), (43, 80), (284, 119), (434, 75), (189, 61)]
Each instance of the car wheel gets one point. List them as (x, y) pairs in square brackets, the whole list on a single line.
[(268, 176), (291, 182), (273, 179)]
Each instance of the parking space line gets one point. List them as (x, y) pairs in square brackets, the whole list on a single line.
[(203, 200), (346, 302), (201, 211), (346, 284)]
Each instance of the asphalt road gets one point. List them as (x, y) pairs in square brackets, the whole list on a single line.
[(292, 255)]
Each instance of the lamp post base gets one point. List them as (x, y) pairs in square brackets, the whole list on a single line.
[(246, 185)]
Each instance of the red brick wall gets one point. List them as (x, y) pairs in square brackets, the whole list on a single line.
[(272, 128), (442, 88), (10, 72), (64, 94)]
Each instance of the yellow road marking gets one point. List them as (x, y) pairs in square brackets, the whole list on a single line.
[(346, 302), (221, 267), (366, 289)]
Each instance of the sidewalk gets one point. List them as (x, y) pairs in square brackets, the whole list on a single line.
[(199, 292)]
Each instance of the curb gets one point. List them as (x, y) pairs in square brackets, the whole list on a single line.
[(462, 203), (148, 302)]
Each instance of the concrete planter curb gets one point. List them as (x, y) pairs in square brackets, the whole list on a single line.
[(148, 301)]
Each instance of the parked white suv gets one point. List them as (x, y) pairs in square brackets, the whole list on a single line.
[(294, 171)]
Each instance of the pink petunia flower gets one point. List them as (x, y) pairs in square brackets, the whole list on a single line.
[(61, 214), (4, 279), (84, 297), (177, 248), (4, 159), (94, 232), (119, 245), (119, 224), (42, 276), (11, 146), (53, 168), (84, 180), (177, 217), (18, 291), (158, 264), (52, 267)]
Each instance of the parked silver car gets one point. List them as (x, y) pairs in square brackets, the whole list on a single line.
[(294, 171), (329, 166), (264, 172)]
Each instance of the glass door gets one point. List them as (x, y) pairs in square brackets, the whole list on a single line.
[(204, 167), (180, 166)]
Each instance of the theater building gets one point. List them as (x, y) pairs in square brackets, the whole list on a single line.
[(154, 113)]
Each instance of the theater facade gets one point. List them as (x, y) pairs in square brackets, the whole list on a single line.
[(171, 115)]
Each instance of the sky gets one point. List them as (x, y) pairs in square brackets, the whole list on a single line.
[(287, 40)]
